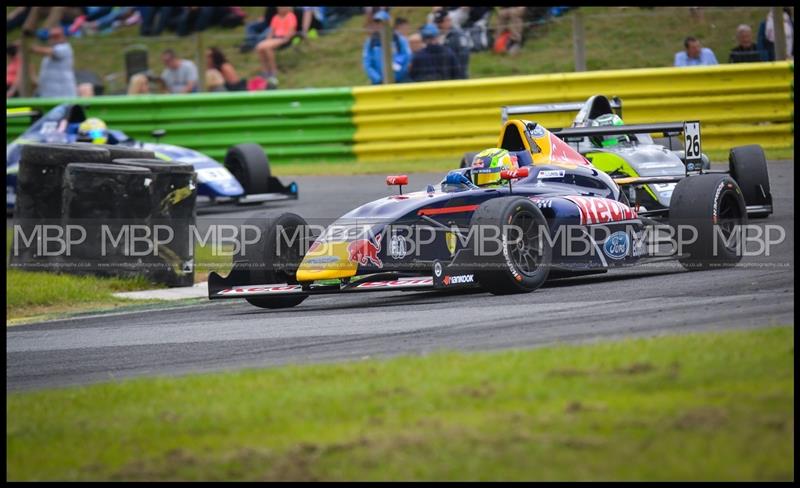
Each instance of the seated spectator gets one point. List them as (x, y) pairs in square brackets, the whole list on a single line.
[(745, 50), (695, 54), (476, 26), (214, 81), (179, 75), (313, 22), (415, 42), (372, 55), (219, 68), (13, 65), (117, 16), (511, 19), (198, 19), (282, 29), (85, 90), (788, 29), (56, 75), (156, 19), (257, 31), (434, 61), (139, 84), (455, 39)]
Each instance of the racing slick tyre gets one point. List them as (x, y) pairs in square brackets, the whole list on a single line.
[(270, 264), (748, 166), (249, 164), (466, 161), (523, 262), (121, 152), (712, 204)]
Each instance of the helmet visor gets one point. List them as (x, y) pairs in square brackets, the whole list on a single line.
[(486, 176)]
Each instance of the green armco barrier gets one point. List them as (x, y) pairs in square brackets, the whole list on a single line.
[(290, 125)]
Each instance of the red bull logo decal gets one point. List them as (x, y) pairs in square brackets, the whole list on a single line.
[(561, 151), (363, 251), (602, 210)]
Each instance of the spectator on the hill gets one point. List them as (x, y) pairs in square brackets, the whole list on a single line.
[(415, 42), (156, 19), (257, 31), (372, 55), (56, 76), (434, 61), (788, 29), (117, 16), (282, 29), (369, 14), (695, 54), (13, 65), (53, 17), (16, 17), (402, 27), (745, 49), (219, 68), (313, 22), (179, 75), (139, 84), (455, 39), (511, 19)]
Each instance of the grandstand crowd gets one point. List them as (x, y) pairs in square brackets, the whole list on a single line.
[(440, 49)]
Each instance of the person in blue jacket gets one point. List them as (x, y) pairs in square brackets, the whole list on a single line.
[(372, 55)]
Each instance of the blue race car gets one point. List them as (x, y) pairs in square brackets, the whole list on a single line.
[(243, 178)]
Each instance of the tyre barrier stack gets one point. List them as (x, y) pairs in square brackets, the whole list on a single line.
[(173, 195), (115, 197)]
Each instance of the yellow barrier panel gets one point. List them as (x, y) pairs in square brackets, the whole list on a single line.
[(737, 104)]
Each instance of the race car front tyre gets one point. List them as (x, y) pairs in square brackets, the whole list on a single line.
[(275, 256), (748, 166), (510, 245), (707, 212), (466, 161), (249, 164)]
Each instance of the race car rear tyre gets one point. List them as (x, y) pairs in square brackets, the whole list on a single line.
[(271, 260), (466, 161), (249, 164), (748, 166), (518, 260), (713, 206)]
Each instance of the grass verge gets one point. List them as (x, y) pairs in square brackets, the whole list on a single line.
[(41, 296), (706, 406)]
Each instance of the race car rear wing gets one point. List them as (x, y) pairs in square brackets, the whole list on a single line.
[(549, 108), (666, 128), (689, 129)]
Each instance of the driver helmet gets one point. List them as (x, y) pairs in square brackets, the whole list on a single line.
[(487, 165), (93, 130), (606, 120)]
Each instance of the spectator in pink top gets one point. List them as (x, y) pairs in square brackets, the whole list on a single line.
[(283, 28)]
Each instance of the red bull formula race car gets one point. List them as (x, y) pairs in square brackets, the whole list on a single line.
[(550, 214)]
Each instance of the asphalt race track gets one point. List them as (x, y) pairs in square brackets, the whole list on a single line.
[(233, 334)]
